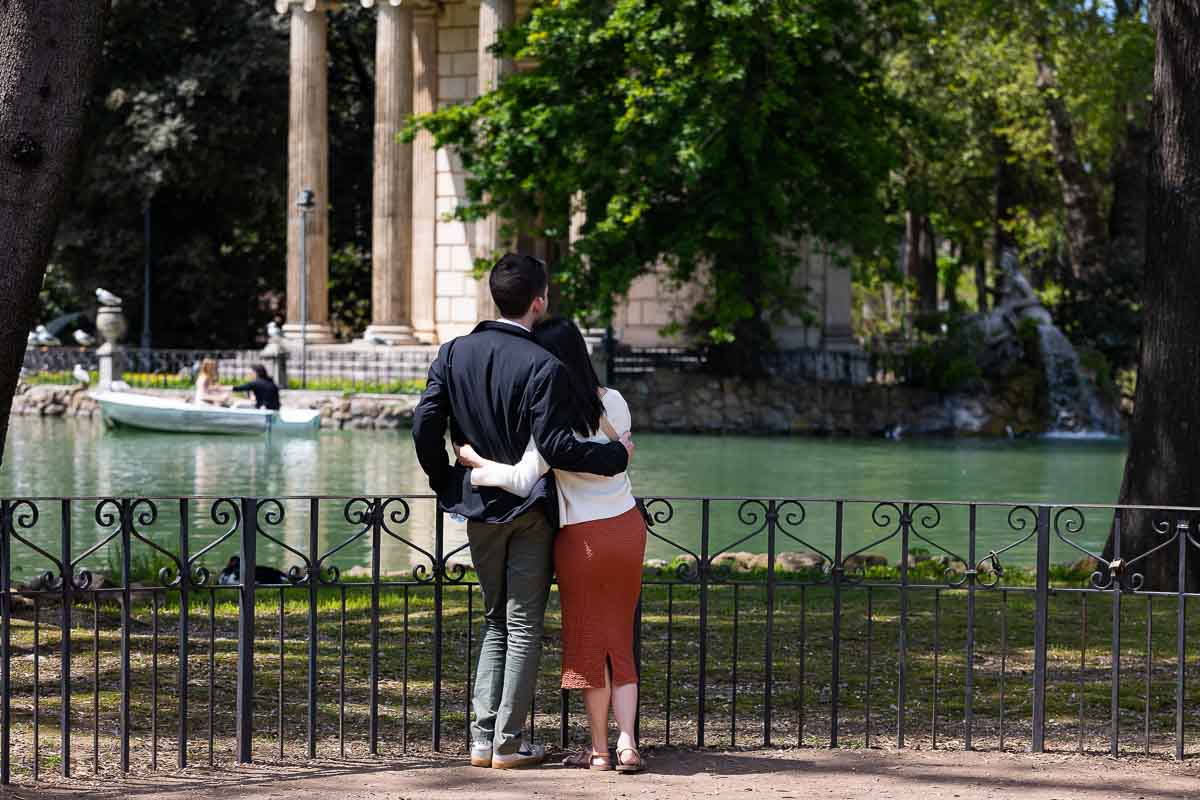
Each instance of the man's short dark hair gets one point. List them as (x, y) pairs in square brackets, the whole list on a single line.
[(516, 281)]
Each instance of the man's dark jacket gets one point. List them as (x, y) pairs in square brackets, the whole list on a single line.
[(266, 393), (497, 388)]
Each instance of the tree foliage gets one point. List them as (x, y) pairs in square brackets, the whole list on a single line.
[(189, 116), (1004, 98), (700, 135)]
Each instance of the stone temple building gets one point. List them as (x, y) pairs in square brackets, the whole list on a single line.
[(430, 55)]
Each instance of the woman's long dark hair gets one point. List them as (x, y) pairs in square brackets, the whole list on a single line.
[(565, 341)]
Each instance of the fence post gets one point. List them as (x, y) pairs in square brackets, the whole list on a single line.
[(1182, 527), (768, 655), (835, 654), (702, 574), (126, 611), (185, 585), (314, 579), (68, 602), (5, 641), (1040, 619), (373, 710), (902, 640), (245, 648), (438, 570)]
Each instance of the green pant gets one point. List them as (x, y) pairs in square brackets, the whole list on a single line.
[(515, 562)]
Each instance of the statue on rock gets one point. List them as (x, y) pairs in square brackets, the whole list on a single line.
[(1020, 330)]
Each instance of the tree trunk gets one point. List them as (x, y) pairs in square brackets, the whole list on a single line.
[(981, 284), (1164, 443), (927, 280), (48, 58), (1127, 219), (912, 245), (918, 254), (950, 283), (1005, 199), (1085, 229)]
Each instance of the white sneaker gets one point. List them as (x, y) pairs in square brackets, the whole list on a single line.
[(526, 756), (481, 754)]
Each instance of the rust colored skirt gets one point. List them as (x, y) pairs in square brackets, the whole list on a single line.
[(599, 566)]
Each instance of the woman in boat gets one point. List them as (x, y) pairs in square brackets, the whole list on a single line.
[(208, 385)]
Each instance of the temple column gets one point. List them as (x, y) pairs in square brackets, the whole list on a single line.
[(494, 16), (308, 167), (424, 176), (391, 236)]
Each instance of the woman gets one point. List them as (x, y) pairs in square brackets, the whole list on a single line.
[(208, 385), (598, 555)]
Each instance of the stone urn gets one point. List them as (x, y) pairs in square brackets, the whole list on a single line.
[(111, 323)]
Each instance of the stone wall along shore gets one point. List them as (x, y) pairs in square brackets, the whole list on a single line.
[(338, 411)]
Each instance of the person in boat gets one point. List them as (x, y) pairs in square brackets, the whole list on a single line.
[(266, 393), (208, 385)]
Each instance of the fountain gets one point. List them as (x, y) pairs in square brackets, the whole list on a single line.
[(1074, 405)]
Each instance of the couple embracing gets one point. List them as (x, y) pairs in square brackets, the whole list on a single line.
[(540, 474)]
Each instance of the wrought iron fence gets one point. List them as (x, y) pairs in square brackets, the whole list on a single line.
[(55, 364), (822, 642), (853, 366), (378, 370), (160, 368), (382, 370)]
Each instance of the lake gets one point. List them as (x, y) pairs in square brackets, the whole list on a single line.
[(50, 458)]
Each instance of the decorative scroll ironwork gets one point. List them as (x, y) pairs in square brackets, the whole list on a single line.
[(927, 516), (399, 516), (751, 513), (224, 511), (1019, 518), (661, 512), (790, 514), (21, 515), (271, 513), (1116, 573), (357, 511), (881, 517)]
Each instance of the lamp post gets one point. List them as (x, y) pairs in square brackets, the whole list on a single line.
[(306, 202), (146, 285)]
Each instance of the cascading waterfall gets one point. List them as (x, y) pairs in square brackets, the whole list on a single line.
[(1075, 406)]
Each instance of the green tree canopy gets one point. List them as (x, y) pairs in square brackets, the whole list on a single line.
[(189, 114), (702, 135)]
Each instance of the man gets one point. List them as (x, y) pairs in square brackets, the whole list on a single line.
[(266, 393), (496, 389)]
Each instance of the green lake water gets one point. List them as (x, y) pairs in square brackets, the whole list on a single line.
[(51, 458)]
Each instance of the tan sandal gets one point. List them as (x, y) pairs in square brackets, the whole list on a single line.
[(629, 768), (599, 762)]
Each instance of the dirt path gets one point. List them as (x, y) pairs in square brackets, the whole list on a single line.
[(683, 775)]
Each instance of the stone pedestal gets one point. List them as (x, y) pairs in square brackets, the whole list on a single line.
[(837, 329), (275, 357), (111, 324), (308, 166), (424, 177), (391, 237)]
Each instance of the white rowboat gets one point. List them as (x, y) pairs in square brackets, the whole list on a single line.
[(175, 416)]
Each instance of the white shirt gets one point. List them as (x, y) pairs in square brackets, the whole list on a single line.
[(514, 324), (582, 497)]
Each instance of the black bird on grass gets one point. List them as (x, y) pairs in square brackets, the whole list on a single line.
[(232, 574)]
